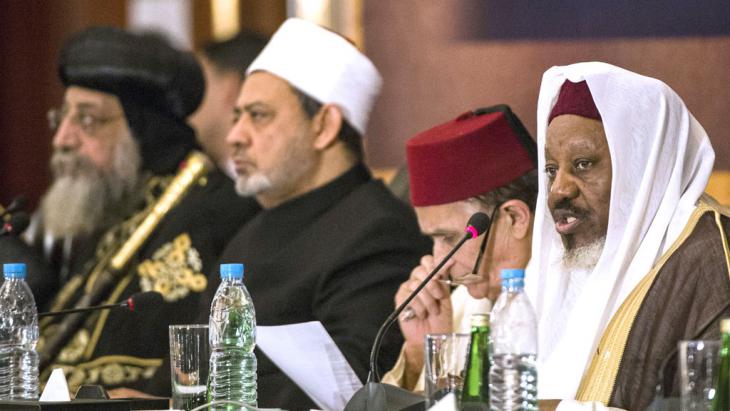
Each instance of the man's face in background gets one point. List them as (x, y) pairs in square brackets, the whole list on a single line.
[(95, 162)]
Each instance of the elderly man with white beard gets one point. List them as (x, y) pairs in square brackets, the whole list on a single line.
[(96, 182), (629, 255), (121, 137)]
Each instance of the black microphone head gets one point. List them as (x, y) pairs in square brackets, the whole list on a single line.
[(144, 302), (18, 222), (477, 224), (18, 203)]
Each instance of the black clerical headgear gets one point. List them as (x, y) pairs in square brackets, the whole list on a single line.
[(157, 85)]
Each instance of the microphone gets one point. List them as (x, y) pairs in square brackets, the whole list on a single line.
[(373, 395), (17, 223), (478, 223), (139, 302), (18, 203)]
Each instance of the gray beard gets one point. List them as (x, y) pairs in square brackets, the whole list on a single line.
[(583, 258), (83, 199), (249, 186), (296, 161)]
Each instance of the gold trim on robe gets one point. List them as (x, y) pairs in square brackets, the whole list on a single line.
[(599, 379)]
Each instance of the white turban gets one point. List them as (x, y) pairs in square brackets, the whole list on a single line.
[(661, 160), (325, 66)]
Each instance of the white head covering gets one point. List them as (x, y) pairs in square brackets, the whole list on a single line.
[(661, 159), (325, 66)]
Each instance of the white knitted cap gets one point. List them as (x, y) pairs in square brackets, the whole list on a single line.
[(325, 66)]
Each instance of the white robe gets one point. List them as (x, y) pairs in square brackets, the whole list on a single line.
[(661, 161)]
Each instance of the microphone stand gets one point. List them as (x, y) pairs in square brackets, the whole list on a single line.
[(373, 375), (80, 310), (374, 396)]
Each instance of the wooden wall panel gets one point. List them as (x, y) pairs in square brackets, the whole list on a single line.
[(202, 25), (262, 16), (431, 75), (31, 34)]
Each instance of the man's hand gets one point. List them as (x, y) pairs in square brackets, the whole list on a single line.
[(430, 312)]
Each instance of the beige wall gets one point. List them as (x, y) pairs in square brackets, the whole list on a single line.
[(430, 76)]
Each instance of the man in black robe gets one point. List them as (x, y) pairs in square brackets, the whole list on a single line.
[(332, 244), (121, 137)]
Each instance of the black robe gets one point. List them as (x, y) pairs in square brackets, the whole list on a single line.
[(132, 349), (337, 255), (39, 277), (686, 301), (61, 255)]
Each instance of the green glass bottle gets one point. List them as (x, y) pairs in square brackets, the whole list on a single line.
[(475, 394), (721, 402)]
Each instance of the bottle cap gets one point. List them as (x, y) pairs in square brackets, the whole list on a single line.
[(725, 325), (512, 273), (14, 270), (234, 271), (479, 320)]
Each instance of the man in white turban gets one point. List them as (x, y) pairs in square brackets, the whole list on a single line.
[(629, 255), (331, 244)]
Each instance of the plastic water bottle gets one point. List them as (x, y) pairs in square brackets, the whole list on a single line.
[(18, 337), (232, 341), (513, 375)]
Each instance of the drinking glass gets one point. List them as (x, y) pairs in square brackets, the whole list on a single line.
[(189, 355), (445, 359)]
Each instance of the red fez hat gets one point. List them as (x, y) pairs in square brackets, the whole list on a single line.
[(469, 156), (575, 98)]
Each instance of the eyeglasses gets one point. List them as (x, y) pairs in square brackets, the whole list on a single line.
[(89, 123), (474, 277)]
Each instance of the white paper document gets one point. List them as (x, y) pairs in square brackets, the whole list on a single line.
[(448, 403), (307, 355), (56, 388)]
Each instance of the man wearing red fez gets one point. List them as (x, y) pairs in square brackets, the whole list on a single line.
[(481, 161), (629, 255)]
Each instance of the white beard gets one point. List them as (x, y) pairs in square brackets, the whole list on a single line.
[(82, 198), (572, 270), (249, 186), (583, 258), (297, 160)]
